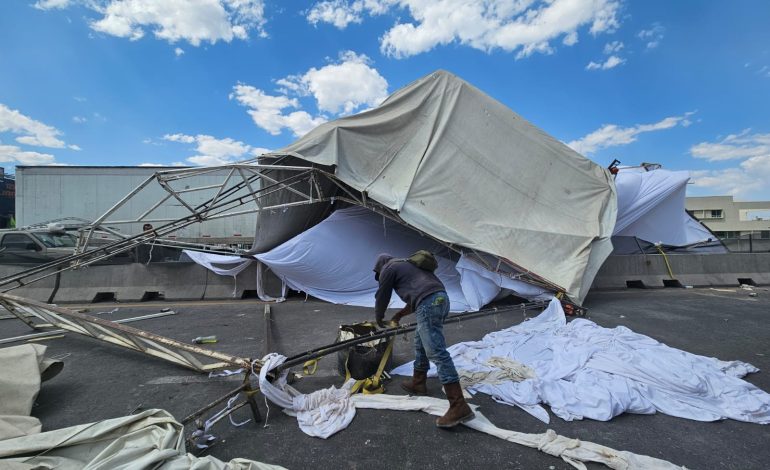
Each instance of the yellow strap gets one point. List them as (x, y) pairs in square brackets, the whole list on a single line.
[(310, 367), (371, 385), (665, 258)]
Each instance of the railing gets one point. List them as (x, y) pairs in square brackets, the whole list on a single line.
[(752, 242)]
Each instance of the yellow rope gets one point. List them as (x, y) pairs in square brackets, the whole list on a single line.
[(665, 258)]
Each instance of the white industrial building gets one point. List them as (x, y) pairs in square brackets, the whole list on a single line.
[(742, 226), (45, 193)]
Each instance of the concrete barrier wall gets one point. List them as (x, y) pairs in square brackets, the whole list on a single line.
[(189, 281), (137, 282), (688, 269)]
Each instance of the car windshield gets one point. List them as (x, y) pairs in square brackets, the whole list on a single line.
[(56, 240)]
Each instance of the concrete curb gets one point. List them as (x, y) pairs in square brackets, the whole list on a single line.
[(137, 282)]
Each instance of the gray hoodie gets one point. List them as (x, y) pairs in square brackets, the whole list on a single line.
[(411, 283)]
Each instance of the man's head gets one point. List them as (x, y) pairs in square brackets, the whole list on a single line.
[(382, 260)]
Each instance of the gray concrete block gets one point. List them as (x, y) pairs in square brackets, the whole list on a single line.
[(689, 269), (226, 287), (132, 282)]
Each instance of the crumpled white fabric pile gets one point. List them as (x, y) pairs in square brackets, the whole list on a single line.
[(583, 370), (319, 414), (324, 412)]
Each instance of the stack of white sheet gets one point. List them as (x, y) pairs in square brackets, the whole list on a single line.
[(586, 371)]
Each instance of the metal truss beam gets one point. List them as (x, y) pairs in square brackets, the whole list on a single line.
[(247, 184), (187, 355)]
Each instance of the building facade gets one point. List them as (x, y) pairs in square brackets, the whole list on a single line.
[(742, 226), (7, 199), (46, 193)]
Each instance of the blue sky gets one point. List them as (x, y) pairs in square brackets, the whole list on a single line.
[(129, 82)]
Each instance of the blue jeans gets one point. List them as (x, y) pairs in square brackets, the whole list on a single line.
[(429, 342)]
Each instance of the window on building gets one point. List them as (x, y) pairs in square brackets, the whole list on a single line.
[(713, 214), (764, 234), (728, 234)]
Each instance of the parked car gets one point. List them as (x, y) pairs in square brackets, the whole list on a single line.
[(41, 245)]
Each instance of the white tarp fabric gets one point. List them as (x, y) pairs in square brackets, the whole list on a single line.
[(211, 260), (572, 451), (150, 439), (333, 261), (22, 369), (467, 170), (587, 371), (651, 207), (328, 411), (319, 414), (215, 262)]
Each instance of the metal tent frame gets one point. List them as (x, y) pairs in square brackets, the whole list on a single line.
[(244, 189)]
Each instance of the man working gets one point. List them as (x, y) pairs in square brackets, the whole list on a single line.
[(425, 295)]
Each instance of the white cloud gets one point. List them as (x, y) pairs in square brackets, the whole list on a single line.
[(734, 146), (212, 151), (747, 180), (611, 62), (74, 147), (194, 21), (51, 4), (340, 13), (151, 164), (267, 111), (187, 139), (652, 36), (346, 86), (13, 154), (31, 132), (523, 26), (257, 151), (79, 119), (178, 51), (613, 47), (570, 39), (611, 135)]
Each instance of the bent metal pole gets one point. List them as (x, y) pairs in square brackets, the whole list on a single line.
[(397, 330)]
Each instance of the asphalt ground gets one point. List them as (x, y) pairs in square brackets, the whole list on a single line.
[(101, 381)]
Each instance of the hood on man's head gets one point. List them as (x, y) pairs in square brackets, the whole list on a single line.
[(382, 260)]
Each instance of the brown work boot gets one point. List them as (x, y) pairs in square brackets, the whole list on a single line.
[(416, 386), (459, 411)]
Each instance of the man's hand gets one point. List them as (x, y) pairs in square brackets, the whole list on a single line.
[(400, 314)]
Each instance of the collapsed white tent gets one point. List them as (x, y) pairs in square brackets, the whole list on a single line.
[(333, 261), (651, 210), (453, 163)]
